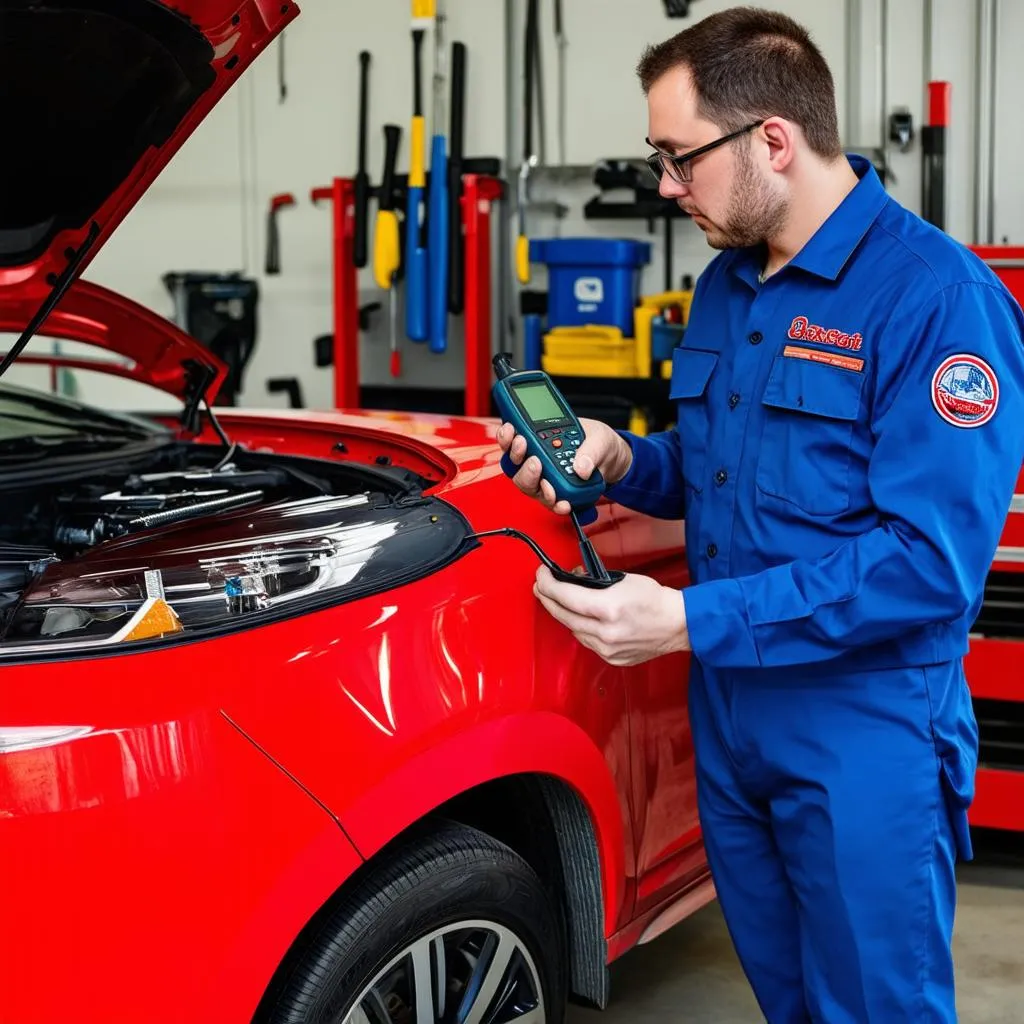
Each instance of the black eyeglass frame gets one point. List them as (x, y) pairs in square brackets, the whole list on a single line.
[(679, 168)]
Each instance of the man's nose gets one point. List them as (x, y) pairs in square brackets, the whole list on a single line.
[(669, 188)]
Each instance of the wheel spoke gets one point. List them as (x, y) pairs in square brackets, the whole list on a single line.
[(441, 980), (533, 1017), (487, 976), (423, 983), (358, 1016)]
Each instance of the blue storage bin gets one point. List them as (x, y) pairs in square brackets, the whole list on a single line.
[(592, 280)]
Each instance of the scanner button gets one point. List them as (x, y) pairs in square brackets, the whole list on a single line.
[(557, 443)]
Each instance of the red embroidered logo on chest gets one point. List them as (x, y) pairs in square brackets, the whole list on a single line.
[(801, 329)]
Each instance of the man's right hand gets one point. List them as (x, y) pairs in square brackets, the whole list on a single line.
[(602, 448)]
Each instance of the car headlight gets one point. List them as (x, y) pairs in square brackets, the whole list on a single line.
[(232, 572)]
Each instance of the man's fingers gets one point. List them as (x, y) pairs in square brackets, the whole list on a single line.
[(547, 492), (505, 434), (528, 479), (583, 464)]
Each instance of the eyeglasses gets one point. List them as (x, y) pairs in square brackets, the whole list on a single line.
[(679, 168)]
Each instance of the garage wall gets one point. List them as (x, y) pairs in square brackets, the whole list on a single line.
[(207, 212)]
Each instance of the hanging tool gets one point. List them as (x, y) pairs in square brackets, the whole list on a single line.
[(282, 87), (386, 249), (362, 179), (437, 216), (456, 275), (562, 42), (531, 63), (277, 203), (415, 252)]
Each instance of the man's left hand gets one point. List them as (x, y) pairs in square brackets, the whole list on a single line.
[(633, 621)]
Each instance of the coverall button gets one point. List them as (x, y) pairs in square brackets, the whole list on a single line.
[(712, 550), (756, 338), (734, 400), (720, 477)]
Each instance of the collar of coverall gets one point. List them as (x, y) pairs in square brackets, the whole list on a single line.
[(828, 249)]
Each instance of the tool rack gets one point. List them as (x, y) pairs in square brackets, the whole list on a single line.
[(479, 192)]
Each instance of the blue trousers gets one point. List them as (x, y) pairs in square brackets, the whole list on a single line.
[(834, 809)]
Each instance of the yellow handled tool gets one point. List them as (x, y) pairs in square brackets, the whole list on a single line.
[(423, 10), (386, 247)]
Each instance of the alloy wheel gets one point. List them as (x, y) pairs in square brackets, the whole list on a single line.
[(470, 972)]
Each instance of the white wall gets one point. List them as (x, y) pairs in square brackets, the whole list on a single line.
[(208, 210)]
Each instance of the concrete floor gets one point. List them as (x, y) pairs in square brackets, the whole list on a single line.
[(691, 974)]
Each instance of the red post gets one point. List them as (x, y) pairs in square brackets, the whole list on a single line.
[(345, 291), (479, 191)]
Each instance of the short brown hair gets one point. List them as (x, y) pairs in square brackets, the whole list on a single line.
[(747, 64)]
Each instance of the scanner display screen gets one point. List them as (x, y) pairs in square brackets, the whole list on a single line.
[(539, 402)]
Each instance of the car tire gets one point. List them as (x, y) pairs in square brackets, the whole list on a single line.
[(449, 902)]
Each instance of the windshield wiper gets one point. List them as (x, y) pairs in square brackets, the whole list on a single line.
[(60, 286)]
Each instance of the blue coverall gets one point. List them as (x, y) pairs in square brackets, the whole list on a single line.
[(848, 438)]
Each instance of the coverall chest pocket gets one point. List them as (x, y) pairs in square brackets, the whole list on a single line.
[(691, 371), (810, 409)]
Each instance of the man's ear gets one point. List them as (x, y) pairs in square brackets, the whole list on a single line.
[(781, 136)]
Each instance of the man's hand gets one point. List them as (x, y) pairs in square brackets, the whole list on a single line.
[(631, 622), (602, 449)]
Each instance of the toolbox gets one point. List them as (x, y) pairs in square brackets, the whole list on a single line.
[(592, 280)]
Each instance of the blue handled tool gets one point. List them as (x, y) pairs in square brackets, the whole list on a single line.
[(529, 400), (437, 217), (415, 252)]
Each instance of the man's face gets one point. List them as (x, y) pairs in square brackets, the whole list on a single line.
[(731, 198)]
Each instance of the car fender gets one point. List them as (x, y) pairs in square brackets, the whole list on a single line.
[(538, 743)]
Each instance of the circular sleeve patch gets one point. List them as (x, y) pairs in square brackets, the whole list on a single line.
[(965, 391)]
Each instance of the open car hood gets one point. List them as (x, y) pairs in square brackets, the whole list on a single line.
[(99, 95), (154, 350)]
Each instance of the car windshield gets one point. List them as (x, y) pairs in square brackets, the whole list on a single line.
[(31, 414)]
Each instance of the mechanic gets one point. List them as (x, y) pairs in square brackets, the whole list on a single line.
[(850, 425)]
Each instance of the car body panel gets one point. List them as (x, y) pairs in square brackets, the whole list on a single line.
[(375, 711), (156, 868), (670, 849)]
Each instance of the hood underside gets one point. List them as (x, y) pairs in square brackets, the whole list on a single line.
[(98, 96), (154, 350)]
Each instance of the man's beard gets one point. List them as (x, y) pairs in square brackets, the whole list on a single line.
[(755, 212)]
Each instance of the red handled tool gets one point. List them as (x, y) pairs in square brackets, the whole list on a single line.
[(277, 203)]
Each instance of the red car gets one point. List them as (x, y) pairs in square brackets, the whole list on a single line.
[(282, 738)]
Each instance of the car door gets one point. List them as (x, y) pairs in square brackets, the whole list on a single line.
[(667, 834)]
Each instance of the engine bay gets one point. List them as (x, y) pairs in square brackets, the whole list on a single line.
[(185, 497)]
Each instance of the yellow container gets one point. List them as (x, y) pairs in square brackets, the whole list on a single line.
[(589, 351), (680, 298)]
